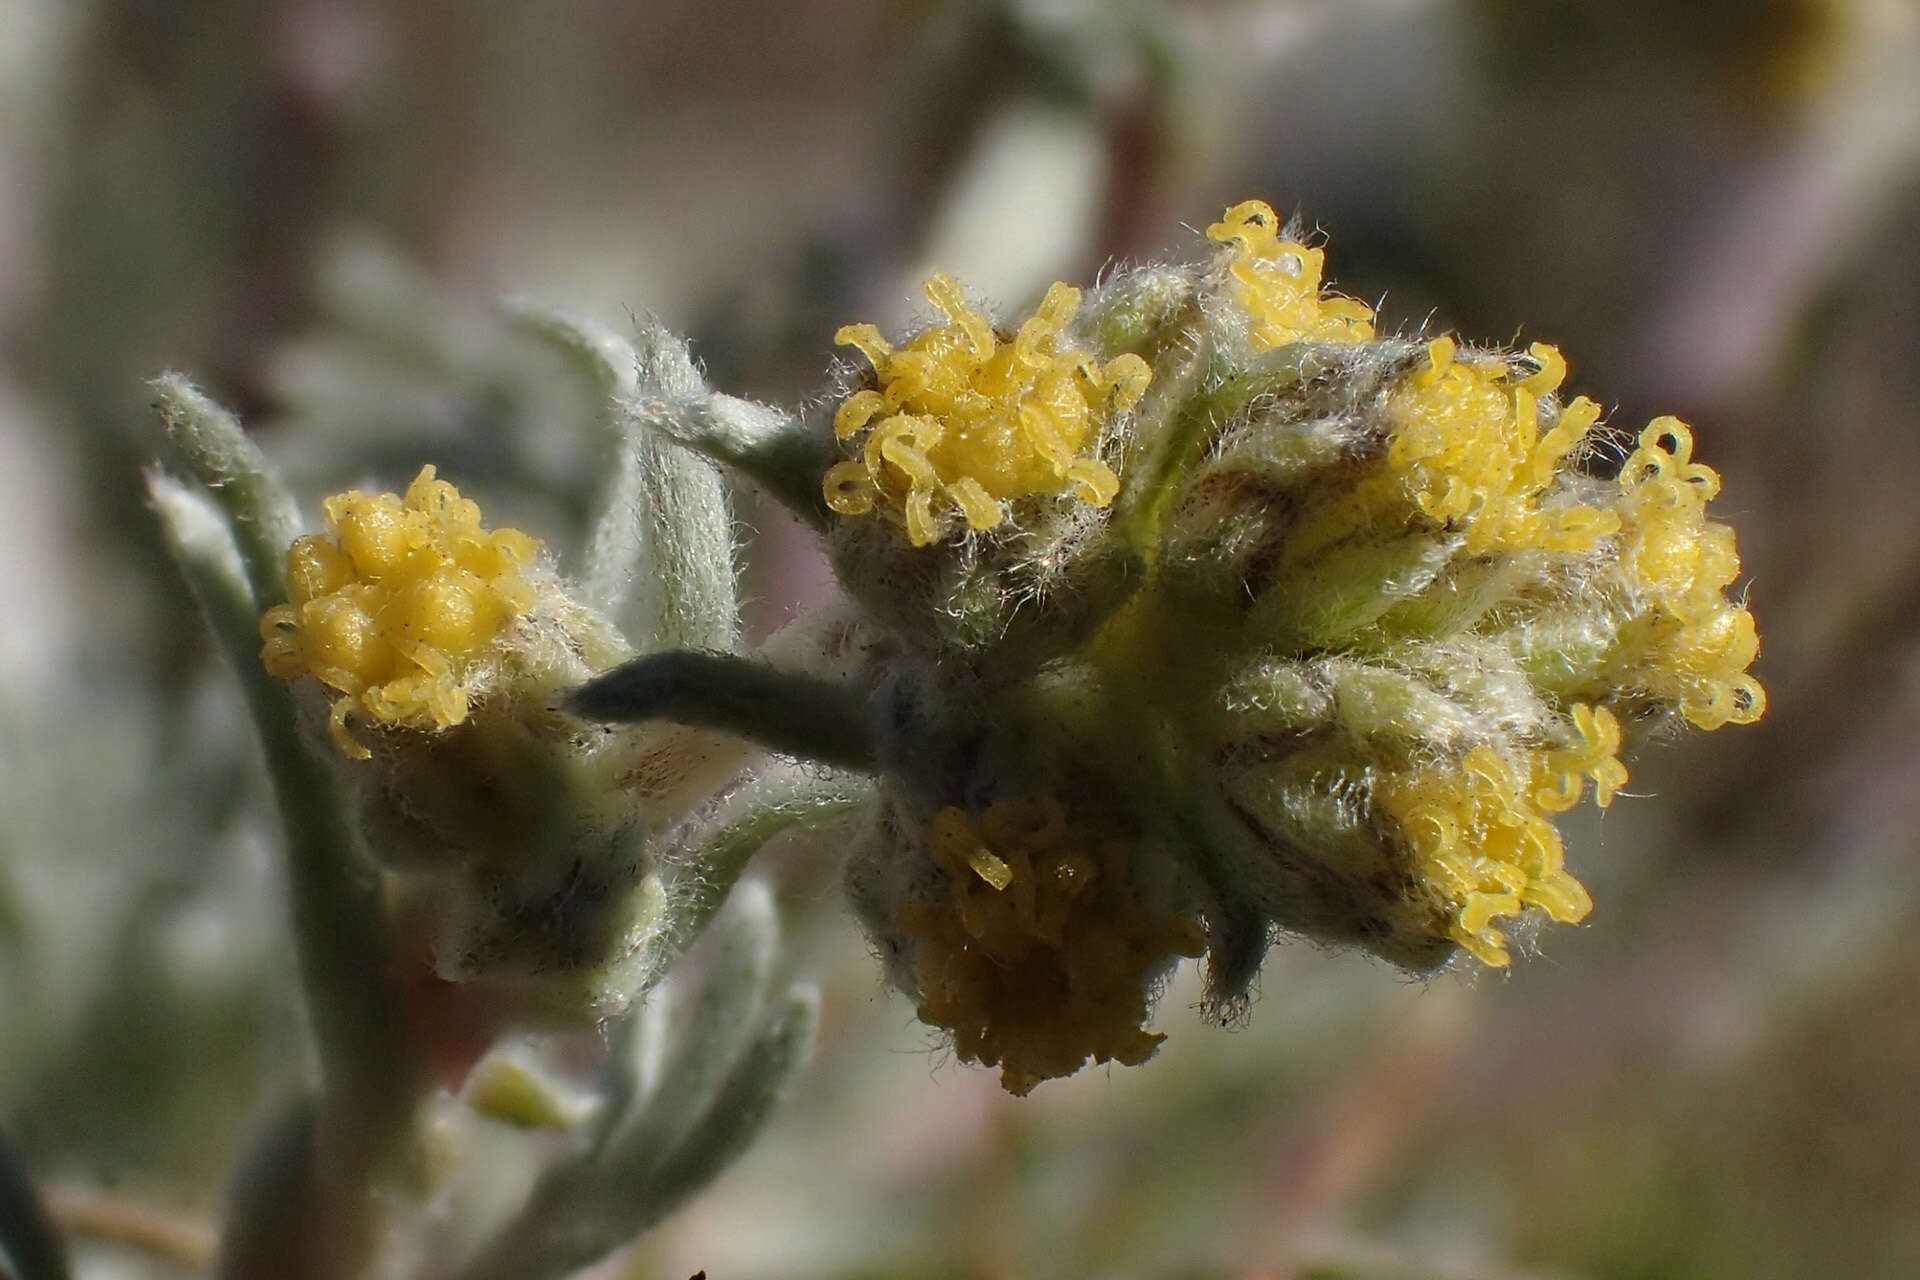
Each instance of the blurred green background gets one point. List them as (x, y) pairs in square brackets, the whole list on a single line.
[(314, 206)]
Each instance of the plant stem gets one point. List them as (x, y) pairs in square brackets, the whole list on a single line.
[(30, 1248), (369, 1079)]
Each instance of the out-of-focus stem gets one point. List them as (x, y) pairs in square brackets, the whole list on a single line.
[(368, 1077), (147, 1228), (30, 1249)]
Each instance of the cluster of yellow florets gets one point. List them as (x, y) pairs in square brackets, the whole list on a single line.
[(1479, 831), (1467, 447), (1687, 642), (1482, 448), (1466, 440), (1277, 283), (965, 419), (1466, 452), (1040, 955), (399, 607)]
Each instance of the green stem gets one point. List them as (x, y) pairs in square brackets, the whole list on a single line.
[(368, 1077), (698, 886), (263, 518), (582, 1211), (740, 1108), (616, 547), (743, 948), (272, 1228), (774, 448), (689, 521)]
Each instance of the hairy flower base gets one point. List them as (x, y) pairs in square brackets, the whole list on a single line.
[(1041, 955), (971, 420), (399, 606)]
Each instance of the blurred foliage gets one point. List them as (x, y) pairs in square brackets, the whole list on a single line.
[(1712, 207)]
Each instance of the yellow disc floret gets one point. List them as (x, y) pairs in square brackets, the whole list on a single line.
[(1277, 283), (1686, 641), (1040, 955), (1466, 452), (963, 420), (1480, 838), (1467, 440), (399, 606), (1561, 774)]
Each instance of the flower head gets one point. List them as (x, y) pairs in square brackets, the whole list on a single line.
[(1034, 946), (1684, 642), (1467, 444), (1276, 283), (1283, 627), (1480, 837), (962, 420), (440, 644), (400, 607), (1453, 622)]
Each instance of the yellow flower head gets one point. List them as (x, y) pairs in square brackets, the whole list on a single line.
[(1277, 283), (1041, 954), (1687, 642), (1466, 452), (1481, 449), (1467, 442), (963, 419), (1463, 505), (399, 607), (1480, 832)]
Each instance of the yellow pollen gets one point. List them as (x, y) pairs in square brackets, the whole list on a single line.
[(398, 606), (962, 421)]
